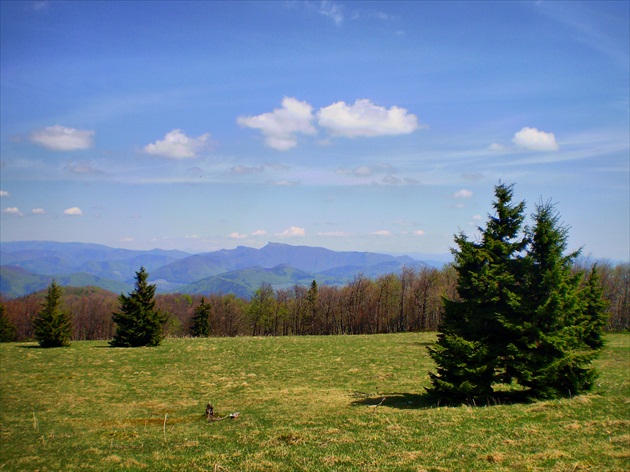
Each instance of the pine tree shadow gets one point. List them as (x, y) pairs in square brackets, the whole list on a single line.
[(400, 401), (413, 401)]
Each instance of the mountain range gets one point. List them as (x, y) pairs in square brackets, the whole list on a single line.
[(29, 266)]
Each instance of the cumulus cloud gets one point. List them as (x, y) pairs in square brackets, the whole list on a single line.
[(535, 140), (61, 138), (236, 235), (176, 145), (292, 232), (4, 193), (382, 232), (419, 232), (363, 118), (12, 211), (257, 233), (74, 211), (463, 193), (38, 211), (282, 124)]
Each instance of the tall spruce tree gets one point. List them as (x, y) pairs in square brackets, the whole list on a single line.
[(53, 325), (470, 353), (201, 320), (138, 323)]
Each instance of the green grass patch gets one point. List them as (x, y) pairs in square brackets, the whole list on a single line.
[(305, 403)]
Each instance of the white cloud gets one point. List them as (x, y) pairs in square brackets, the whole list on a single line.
[(12, 211), (236, 235), (463, 193), (419, 232), (363, 118), (281, 125), (61, 138), (292, 232), (38, 211), (176, 145), (382, 232), (74, 211), (259, 232), (4, 193), (535, 140)]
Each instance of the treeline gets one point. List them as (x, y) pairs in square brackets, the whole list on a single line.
[(409, 301)]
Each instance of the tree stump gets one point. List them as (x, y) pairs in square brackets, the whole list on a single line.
[(209, 412)]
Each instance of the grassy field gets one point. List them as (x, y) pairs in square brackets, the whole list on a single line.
[(305, 403)]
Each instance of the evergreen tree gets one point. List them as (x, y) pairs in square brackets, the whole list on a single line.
[(138, 323), (53, 326), (200, 321), (471, 353), (520, 316), (7, 329), (562, 324), (595, 315)]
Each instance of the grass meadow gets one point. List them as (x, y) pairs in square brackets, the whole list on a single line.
[(306, 403)]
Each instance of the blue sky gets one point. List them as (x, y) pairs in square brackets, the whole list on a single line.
[(369, 126)]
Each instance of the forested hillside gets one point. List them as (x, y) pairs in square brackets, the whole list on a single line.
[(408, 301)]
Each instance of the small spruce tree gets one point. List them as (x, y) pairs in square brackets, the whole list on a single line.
[(53, 325), (201, 320), (138, 323)]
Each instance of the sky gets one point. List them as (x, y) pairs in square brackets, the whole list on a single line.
[(364, 126)]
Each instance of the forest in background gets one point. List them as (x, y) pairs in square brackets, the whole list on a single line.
[(408, 301)]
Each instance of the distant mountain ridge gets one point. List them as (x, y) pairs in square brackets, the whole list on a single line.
[(304, 258), (30, 265)]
